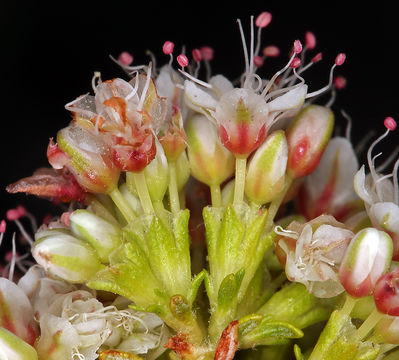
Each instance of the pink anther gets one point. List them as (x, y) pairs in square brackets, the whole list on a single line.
[(168, 47), (65, 218), (339, 82), (21, 210), (340, 59), (3, 226), (317, 57), (207, 53), (390, 123), (310, 40), (12, 214), (271, 51), (295, 63), (297, 47), (258, 61), (197, 55), (182, 60), (125, 58), (263, 19)]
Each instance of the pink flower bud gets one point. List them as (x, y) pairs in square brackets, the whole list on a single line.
[(386, 293), (307, 139), (367, 258), (266, 169), (241, 116)]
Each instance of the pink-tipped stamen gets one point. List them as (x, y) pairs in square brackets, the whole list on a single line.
[(263, 19), (310, 40), (168, 47), (207, 53), (125, 58), (339, 82), (297, 47), (390, 123), (182, 60), (12, 215), (197, 55), (318, 57), (340, 59), (271, 51), (295, 63), (258, 61), (13, 259), (3, 226)]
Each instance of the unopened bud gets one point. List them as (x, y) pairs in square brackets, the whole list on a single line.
[(367, 258), (266, 169), (66, 257), (89, 159), (386, 293), (14, 348), (103, 236), (307, 139), (210, 161)]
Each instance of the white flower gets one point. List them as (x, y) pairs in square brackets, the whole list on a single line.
[(313, 253)]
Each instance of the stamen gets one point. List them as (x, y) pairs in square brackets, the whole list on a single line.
[(244, 46), (339, 60), (192, 78), (390, 123), (207, 54), (261, 22), (258, 61), (251, 60), (295, 63), (388, 160), (286, 233), (182, 60), (153, 61), (278, 73), (3, 226), (348, 125), (12, 263), (125, 58), (339, 82), (310, 40), (167, 49)]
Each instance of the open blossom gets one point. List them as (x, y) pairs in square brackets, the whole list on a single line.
[(312, 252), (380, 194)]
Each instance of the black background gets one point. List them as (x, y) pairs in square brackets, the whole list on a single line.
[(49, 52)]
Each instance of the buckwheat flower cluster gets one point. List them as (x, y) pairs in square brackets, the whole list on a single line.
[(206, 218)]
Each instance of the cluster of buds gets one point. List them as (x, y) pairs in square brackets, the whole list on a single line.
[(291, 227)]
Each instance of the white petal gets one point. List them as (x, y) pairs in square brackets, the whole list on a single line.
[(290, 100), (199, 97), (220, 84), (385, 215), (360, 186)]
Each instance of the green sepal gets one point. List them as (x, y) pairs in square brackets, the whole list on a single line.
[(256, 330), (228, 290), (339, 340), (195, 285), (298, 353)]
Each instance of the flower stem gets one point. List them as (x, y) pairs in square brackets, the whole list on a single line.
[(241, 169), (142, 190), (122, 205), (275, 204), (369, 323), (216, 195), (349, 304), (173, 192)]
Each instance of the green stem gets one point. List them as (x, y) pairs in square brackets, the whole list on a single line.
[(142, 190), (173, 191), (369, 323), (239, 187), (349, 304), (216, 195), (122, 205), (275, 204)]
